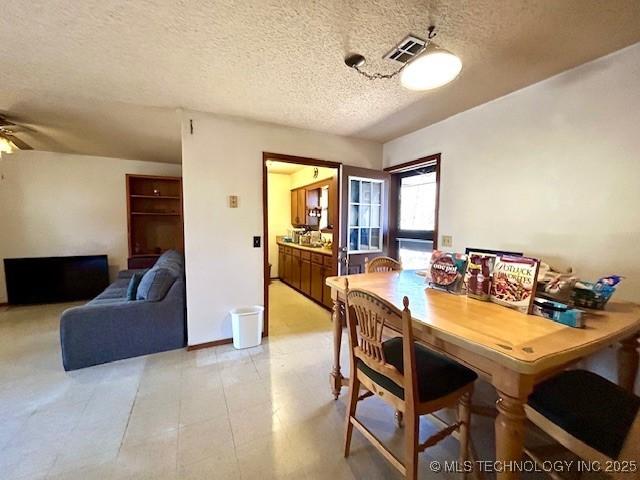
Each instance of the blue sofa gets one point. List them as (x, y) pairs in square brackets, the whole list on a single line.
[(112, 327)]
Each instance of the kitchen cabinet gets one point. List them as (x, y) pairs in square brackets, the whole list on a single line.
[(312, 201), (287, 266), (326, 291), (307, 197), (316, 282), (305, 272), (295, 268), (281, 274), (294, 208), (299, 206)]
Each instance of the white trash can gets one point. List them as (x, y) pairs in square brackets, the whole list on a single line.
[(247, 325)]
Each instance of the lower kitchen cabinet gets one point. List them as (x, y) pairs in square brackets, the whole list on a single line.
[(281, 262), (305, 274), (326, 291), (306, 271), (316, 282), (295, 268)]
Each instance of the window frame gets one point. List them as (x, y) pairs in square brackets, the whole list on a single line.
[(418, 235), (394, 171), (349, 227)]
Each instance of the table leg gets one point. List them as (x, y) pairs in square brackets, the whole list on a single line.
[(628, 360), (335, 377), (510, 428)]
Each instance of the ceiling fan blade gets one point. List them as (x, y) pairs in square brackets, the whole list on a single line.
[(5, 123), (17, 142)]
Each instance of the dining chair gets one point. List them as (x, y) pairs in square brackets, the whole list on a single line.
[(404, 374), (381, 264), (592, 417)]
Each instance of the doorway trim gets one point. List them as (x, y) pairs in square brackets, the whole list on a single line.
[(433, 159), (280, 157)]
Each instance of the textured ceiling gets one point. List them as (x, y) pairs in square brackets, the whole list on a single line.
[(107, 75)]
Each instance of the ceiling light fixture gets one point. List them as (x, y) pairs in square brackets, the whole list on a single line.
[(431, 70), (424, 65), (6, 146)]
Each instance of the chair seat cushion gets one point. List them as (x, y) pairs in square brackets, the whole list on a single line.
[(589, 407), (437, 375)]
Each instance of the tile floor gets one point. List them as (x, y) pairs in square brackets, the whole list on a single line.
[(218, 413)]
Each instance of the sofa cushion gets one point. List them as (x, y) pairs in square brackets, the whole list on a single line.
[(132, 289), (155, 284), (117, 289), (107, 301), (173, 261)]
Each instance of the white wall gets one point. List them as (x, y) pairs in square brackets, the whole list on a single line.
[(60, 204), (279, 205), (552, 169), (304, 176), (224, 157)]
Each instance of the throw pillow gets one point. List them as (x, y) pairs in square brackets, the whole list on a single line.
[(155, 284), (132, 289)]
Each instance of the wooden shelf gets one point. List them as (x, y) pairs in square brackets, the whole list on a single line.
[(156, 213), (160, 197), (154, 221)]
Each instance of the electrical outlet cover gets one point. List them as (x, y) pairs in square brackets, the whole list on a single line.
[(447, 241)]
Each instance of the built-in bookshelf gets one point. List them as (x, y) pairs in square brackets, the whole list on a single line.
[(154, 217)]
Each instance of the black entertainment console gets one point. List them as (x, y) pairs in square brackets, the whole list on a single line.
[(55, 279)]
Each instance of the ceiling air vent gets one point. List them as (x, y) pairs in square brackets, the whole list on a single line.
[(406, 49)]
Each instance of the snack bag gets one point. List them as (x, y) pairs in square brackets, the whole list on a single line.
[(514, 282), (478, 276), (446, 271)]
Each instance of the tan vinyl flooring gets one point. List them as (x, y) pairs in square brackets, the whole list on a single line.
[(262, 413)]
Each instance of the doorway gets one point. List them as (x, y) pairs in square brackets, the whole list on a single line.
[(300, 222)]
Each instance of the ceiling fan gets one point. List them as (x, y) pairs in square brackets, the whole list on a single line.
[(8, 140)]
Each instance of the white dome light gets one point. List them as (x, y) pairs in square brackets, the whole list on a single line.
[(431, 70)]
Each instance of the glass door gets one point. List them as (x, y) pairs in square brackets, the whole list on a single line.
[(364, 217)]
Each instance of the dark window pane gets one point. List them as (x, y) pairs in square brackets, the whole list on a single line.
[(365, 194), (354, 216), (376, 197), (355, 191), (364, 215), (364, 239), (375, 238), (353, 239)]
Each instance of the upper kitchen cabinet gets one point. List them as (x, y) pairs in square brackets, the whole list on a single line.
[(313, 205), (298, 207)]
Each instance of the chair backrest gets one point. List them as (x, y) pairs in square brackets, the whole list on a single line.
[(381, 264), (367, 315)]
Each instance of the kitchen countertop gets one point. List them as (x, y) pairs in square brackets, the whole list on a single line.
[(321, 250)]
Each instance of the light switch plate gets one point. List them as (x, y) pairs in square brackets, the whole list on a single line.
[(447, 241), (233, 201)]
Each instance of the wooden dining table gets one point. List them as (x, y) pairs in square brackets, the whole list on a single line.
[(511, 350)]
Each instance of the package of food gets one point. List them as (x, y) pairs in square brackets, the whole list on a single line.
[(558, 312), (446, 271), (478, 276), (514, 282)]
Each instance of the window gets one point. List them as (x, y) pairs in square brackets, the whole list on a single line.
[(365, 215), (416, 218)]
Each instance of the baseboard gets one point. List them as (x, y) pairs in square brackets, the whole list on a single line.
[(215, 343)]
